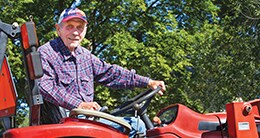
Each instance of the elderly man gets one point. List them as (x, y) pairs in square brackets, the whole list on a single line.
[(70, 71)]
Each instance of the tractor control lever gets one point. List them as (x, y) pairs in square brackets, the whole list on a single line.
[(103, 109), (137, 109)]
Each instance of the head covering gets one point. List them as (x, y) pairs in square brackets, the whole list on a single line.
[(71, 13)]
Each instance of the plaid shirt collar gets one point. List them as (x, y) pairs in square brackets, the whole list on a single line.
[(65, 51)]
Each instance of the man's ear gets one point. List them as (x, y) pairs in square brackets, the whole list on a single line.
[(57, 26)]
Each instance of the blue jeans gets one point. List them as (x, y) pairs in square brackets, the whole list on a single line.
[(133, 123)]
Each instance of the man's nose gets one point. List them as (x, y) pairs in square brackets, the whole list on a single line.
[(76, 31)]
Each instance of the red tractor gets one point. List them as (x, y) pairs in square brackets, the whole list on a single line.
[(241, 119)]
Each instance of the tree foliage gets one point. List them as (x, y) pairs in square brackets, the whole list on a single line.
[(206, 51)]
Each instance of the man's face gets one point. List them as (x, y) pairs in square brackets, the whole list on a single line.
[(72, 32)]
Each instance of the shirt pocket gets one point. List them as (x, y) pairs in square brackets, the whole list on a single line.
[(66, 80), (85, 81), (87, 85)]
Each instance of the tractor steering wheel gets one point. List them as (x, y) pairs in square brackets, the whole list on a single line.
[(141, 101)]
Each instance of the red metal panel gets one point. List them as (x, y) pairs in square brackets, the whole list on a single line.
[(70, 128), (241, 123), (186, 124), (215, 134), (7, 92)]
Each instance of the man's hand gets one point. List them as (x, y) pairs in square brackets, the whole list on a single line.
[(89, 105), (155, 83), (157, 120)]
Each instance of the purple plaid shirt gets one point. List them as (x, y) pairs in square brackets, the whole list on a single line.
[(69, 79)]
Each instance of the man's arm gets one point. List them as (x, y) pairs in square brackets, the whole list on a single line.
[(115, 76), (118, 77)]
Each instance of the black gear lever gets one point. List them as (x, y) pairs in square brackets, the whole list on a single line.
[(103, 109)]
